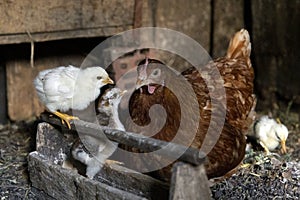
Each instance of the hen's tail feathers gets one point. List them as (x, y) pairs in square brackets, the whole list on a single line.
[(239, 46)]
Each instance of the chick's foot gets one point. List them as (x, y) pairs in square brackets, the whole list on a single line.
[(65, 118)]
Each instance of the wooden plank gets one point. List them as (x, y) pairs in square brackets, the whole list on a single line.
[(275, 47), (62, 183), (189, 182), (63, 19), (20, 90), (192, 19), (20, 17), (21, 96), (228, 17), (65, 34), (54, 147), (190, 155)]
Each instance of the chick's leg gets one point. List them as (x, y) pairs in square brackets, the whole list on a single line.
[(110, 162), (265, 147), (65, 118)]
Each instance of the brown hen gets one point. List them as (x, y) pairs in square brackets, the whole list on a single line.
[(210, 108)]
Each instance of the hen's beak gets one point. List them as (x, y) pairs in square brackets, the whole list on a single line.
[(108, 81), (139, 83), (283, 147)]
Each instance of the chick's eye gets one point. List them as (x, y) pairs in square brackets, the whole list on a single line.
[(99, 77), (276, 134)]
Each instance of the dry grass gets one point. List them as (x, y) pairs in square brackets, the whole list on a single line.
[(16, 141)]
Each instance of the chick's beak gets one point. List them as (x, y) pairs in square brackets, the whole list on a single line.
[(123, 92), (108, 81), (283, 147)]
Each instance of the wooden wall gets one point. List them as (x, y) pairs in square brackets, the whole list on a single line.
[(275, 35), (273, 25), (3, 104)]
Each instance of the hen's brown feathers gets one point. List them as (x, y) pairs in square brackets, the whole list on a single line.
[(239, 46), (237, 105)]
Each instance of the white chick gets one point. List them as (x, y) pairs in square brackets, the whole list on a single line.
[(63, 88), (270, 134), (108, 104)]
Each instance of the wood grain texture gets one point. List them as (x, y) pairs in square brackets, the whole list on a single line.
[(190, 155), (276, 46), (62, 183), (189, 182), (228, 18), (49, 20), (192, 18), (112, 182)]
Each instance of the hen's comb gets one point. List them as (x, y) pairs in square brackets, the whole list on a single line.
[(146, 62), (143, 68)]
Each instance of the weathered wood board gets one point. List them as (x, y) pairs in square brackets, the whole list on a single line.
[(186, 186), (52, 20), (228, 18), (55, 172), (113, 182), (192, 19), (62, 183), (275, 47)]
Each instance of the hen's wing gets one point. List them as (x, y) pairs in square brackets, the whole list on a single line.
[(237, 73)]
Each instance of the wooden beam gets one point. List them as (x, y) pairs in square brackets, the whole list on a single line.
[(64, 34), (53, 152), (190, 155), (228, 18), (68, 184), (60, 19), (189, 182)]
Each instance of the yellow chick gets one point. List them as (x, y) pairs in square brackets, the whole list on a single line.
[(270, 134)]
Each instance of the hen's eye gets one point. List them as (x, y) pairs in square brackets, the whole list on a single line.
[(99, 77), (156, 72)]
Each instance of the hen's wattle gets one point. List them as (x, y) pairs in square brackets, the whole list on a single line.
[(158, 84)]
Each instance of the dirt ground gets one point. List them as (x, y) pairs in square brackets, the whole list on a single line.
[(261, 177)]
